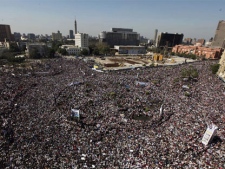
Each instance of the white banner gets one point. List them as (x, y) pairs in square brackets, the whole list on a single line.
[(209, 134)]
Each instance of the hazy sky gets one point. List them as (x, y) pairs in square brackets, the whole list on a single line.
[(193, 18)]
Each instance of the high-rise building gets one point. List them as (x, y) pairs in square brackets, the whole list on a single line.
[(57, 36), (71, 35), (156, 33), (17, 36), (169, 39), (75, 27), (31, 36), (120, 36), (81, 40), (219, 38), (5, 33)]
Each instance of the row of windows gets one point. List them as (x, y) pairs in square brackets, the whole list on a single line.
[(73, 50)]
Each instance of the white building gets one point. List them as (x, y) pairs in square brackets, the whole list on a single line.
[(81, 40), (130, 50), (71, 49)]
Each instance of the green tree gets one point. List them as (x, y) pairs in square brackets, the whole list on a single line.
[(69, 42), (23, 48), (6, 54), (34, 54), (13, 47), (62, 51), (84, 52), (154, 50), (190, 72), (172, 53), (92, 47), (112, 52), (43, 40), (95, 51), (56, 44), (103, 48), (50, 53), (215, 68)]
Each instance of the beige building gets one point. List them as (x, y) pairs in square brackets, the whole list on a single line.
[(57, 36)]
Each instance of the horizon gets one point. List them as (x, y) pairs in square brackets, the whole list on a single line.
[(195, 19)]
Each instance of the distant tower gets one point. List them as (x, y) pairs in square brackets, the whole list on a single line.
[(156, 32), (71, 35), (75, 24)]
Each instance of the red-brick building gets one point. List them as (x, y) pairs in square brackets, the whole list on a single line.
[(208, 53)]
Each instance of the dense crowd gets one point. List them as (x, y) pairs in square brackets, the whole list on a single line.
[(120, 124)]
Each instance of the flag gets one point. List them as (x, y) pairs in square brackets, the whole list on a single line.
[(161, 110)]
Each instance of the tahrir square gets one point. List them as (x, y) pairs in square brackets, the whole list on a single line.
[(160, 111)]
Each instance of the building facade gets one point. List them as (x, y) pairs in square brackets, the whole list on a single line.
[(31, 36), (81, 40), (40, 47), (5, 33), (169, 39), (208, 53), (130, 50), (71, 35), (17, 36), (4, 46), (71, 49), (200, 42), (57, 36), (219, 38), (187, 41), (120, 36)]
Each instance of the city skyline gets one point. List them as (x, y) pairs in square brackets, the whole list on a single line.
[(193, 18)]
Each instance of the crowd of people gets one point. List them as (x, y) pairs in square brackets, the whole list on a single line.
[(120, 125)]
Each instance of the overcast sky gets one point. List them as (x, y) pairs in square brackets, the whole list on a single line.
[(193, 18)]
